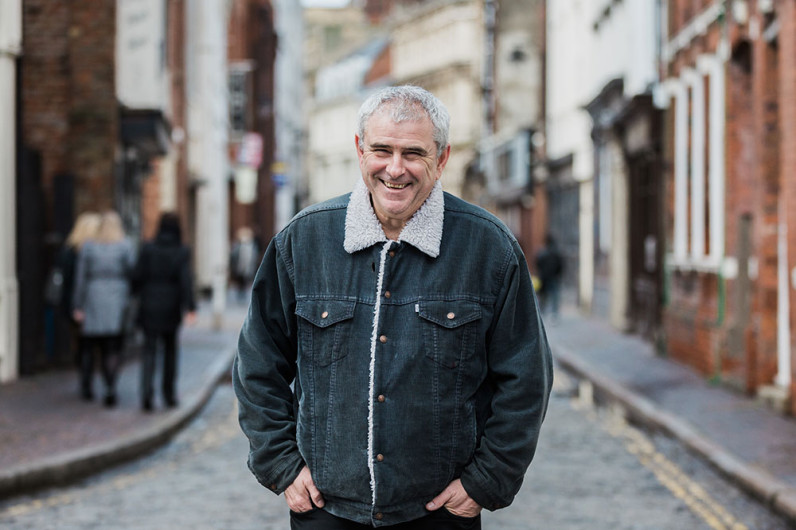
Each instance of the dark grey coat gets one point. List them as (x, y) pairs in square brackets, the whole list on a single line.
[(102, 286)]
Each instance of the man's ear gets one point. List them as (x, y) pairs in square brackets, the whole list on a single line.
[(356, 144), (443, 159)]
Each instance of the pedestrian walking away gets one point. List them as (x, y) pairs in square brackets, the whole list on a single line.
[(61, 283), (550, 268), (100, 300), (163, 282), (393, 369)]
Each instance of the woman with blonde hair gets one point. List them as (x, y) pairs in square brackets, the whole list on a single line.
[(101, 295), (84, 229)]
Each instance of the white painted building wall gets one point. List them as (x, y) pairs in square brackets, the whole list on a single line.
[(288, 97), (339, 91), (333, 165), (570, 41), (10, 49), (589, 43), (518, 68), (569, 83), (625, 44), (141, 76), (208, 164)]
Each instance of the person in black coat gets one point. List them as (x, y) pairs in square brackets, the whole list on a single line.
[(162, 279), (550, 267)]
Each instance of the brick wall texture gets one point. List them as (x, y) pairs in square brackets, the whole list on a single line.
[(68, 95), (727, 327)]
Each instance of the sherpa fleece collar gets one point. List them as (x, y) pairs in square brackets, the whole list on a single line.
[(423, 231)]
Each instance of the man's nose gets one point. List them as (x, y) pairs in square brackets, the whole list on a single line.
[(396, 166)]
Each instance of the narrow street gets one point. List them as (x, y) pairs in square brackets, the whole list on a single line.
[(592, 471)]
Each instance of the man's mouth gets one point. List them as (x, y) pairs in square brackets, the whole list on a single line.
[(395, 186)]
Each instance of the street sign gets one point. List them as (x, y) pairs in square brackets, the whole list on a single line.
[(250, 152)]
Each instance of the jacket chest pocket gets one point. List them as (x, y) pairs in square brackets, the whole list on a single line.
[(324, 329), (450, 330)]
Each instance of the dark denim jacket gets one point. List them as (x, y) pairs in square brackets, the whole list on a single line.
[(412, 363)]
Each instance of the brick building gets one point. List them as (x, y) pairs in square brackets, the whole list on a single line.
[(124, 105), (505, 175), (168, 188), (730, 87), (251, 54), (82, 147)]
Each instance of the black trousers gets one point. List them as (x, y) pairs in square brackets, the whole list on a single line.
[(109, 347), (149, 354), (441, 519)]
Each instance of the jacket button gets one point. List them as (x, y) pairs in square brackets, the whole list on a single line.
[(387, 294), (273, 487), (383, 339), (324, 314), (451, 315), (392, 253), (380, 457), (381, 398), (379, 516)]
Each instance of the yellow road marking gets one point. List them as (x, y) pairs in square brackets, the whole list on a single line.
[(670, 475)]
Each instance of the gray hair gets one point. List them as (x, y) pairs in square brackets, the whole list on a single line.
[(407, 103)]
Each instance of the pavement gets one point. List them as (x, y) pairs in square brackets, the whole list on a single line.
[(49, 436), (748, 442)]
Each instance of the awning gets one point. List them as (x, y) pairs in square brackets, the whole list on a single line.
[(146, 130)]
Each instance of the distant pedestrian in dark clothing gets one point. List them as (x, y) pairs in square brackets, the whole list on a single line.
[(100, 301), (550, 268), (163, 282)]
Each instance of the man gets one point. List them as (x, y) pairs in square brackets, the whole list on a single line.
[(406, 322)]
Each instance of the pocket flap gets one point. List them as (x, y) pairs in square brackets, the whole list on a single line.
[(449, 314), (324, 313)]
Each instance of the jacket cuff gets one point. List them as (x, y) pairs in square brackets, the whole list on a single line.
[(481, 492), (282, 476)]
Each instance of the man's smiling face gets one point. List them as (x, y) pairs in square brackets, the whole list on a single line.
[(400, 166)]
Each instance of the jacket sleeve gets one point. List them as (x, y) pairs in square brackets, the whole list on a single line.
[(263, 370), (187, 298), (521, 375)]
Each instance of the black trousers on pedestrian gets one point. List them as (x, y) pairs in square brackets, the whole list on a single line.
[(109, 347), (149, 354), (441, 519)]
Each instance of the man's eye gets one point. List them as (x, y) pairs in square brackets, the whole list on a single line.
[(381, 151), (412, 155)]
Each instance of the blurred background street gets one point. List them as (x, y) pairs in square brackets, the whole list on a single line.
[(653, 141)]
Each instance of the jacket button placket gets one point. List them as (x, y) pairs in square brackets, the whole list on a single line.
[(379, 457)]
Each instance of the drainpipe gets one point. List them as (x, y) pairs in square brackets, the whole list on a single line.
[(783, 377), (10, 49)]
